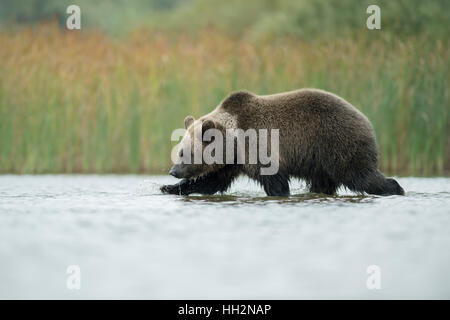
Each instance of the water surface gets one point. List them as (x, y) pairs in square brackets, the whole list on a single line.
[(130, 241)]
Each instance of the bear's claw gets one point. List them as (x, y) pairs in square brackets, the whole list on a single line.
[(171, 189)]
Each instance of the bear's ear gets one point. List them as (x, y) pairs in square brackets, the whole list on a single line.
[(207, 124), (188, 121)]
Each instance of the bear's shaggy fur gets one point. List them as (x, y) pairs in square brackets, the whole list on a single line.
[(324, 140)]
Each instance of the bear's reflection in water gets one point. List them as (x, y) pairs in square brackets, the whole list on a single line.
[(263, 200)]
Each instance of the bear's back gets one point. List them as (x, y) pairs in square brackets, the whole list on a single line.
[(306, 110), (313, 124)]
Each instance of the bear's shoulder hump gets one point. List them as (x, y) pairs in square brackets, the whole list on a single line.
[(237, 100)]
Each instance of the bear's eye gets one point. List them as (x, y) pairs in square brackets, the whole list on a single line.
[(181, 153)]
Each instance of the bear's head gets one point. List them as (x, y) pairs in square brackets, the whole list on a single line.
[(200, 152)]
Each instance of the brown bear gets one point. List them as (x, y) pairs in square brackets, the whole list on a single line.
[(323, 140)]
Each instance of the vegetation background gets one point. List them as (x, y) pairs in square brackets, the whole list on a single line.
[(106, 98)]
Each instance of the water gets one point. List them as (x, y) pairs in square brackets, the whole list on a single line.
[(130, 241)]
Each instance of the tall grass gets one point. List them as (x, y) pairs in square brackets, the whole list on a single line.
[(85, 102)]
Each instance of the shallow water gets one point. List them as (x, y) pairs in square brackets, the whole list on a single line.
[(130, 241)]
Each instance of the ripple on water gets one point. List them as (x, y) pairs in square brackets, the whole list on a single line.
[(133, 242)]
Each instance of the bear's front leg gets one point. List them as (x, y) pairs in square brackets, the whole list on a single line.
[(186, 187), (209, 184), (275, 185), (179, 188)]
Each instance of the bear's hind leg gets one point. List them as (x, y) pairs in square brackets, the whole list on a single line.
[(323, 184), (375, 183)]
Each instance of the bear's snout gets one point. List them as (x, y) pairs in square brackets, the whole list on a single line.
[(175, 171)]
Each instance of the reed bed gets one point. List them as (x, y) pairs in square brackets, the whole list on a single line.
[(73, 102)]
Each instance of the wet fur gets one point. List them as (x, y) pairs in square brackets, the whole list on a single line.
[(324, 140)]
